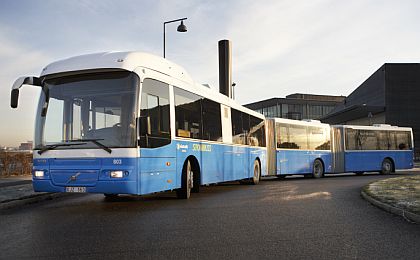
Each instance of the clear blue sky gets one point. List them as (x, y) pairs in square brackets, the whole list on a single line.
[(279, 47)]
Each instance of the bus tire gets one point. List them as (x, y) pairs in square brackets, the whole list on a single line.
[(197, 176), (281, 177), (187, 181), (386, 167), (318, 169), (257, 173), (359, 173)]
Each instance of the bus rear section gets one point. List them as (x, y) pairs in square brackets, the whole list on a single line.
[(378, 148), (298, 147)]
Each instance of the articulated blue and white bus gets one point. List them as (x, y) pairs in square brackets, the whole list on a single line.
[(134, 123), (311, 148)]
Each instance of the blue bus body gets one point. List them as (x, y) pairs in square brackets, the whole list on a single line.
[(300, 162), (371, 161), (154, 171)]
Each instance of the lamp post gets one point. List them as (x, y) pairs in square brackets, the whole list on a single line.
[(181, 28)]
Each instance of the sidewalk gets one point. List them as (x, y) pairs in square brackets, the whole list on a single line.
[(15, 180), (400, 195), (18, 191)]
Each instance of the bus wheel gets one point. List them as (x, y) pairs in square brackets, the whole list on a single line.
[(257, 173), (359, 173), (281, 177), (186, 182), (318, 169), (386, 166)]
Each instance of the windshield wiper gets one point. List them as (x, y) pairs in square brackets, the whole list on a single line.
[(95, 141), (53, 146)]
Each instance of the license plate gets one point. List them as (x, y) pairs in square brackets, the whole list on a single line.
[(76, 189)]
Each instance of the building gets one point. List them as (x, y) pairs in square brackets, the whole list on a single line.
[(26, 146), (391, 95), (297, 106)]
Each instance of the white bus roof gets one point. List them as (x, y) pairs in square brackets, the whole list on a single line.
[(375, 127), (300, 122), (118, 60), (130, 61)]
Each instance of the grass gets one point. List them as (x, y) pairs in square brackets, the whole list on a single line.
[(400, 192)]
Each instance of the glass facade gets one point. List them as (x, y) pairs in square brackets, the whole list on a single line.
[(296, 111)]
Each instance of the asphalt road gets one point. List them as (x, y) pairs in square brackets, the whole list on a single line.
[(282, 219)]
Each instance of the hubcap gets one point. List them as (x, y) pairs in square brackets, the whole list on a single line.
[(190, 179), (256, 173), (387, 167)]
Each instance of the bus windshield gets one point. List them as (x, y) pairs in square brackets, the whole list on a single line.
[(95, 106)]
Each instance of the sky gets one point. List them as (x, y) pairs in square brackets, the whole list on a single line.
[(278, 47)]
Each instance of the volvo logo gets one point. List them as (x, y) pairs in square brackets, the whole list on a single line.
[(74, 177)]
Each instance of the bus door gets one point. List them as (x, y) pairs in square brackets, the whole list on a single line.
[(271, 147), (157, 164), (337, 148), (236, 159)]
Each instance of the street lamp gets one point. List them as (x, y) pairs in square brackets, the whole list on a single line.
[(181, 28)]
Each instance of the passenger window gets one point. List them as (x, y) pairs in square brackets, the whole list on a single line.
[(282, 136), (403, 140), (297, 137), (319, 138), (238, 137), (154, 114), (187, 114), (256, 132), (212, 122)]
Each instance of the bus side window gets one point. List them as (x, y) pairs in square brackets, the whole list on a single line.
[(154, 112), (257, 132), (351, 139), (212, 122), (383, 140), (282, 136), (298, 137), (403, 140), (237, 132), (187, 114)]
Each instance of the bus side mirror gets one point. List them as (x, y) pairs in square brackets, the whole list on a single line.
[(145, 127), (14, 98), (14, 95)]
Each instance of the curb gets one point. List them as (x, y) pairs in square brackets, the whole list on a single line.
[(15, 183), (31, 200), (412, 217)]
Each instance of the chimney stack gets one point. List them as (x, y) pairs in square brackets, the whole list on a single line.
[(225, 68)]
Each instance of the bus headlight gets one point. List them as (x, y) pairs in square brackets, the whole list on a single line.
[(117, 174), (39, 173)]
